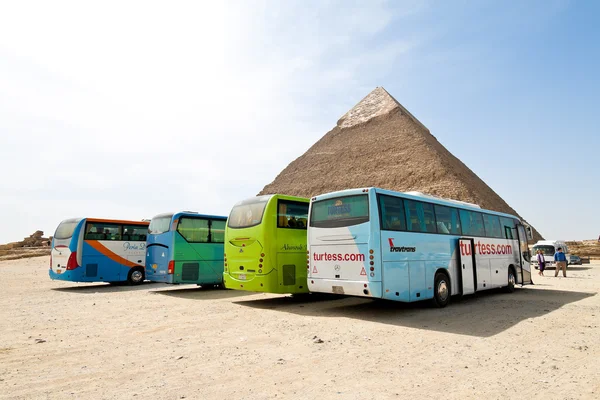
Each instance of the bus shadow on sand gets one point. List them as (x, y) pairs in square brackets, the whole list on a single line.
[(105, 288), (201, 293), (484, 314)]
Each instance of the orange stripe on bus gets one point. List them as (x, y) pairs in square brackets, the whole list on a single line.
[(118, 221), (106, 252)]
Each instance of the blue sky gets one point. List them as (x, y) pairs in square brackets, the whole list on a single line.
[(130, 109)]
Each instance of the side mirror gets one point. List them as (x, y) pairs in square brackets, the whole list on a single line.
[(529, 232)]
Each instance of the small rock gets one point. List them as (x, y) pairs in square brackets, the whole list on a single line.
[(40, 341)]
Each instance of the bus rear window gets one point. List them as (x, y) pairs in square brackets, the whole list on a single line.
[(247, 213), (66, 228), (340, 211), (160, 225)]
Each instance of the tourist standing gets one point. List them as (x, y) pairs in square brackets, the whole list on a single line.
[(541, 262), (561, 262)]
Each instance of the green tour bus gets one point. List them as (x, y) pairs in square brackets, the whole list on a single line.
[(185, 247), (265, 245)]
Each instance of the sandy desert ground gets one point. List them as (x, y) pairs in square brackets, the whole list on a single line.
[(61, 340)]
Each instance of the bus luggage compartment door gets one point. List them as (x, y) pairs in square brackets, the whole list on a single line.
[(467, 268)]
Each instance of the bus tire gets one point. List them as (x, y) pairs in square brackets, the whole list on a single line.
[(135, 276), (512, 279), (441, 290)]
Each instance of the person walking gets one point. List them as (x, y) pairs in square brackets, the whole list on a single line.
[(561, 262), (541, 262)]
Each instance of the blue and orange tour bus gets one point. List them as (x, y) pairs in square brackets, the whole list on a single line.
[(99, 250)]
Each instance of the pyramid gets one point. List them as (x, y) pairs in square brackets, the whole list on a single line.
[(379, 143)]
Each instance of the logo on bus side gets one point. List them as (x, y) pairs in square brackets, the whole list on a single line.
[(403, 249), (298, 247), (134, 246)]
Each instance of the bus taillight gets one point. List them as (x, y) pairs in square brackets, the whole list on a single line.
[(72, 261), (171, 267), (50, 260)]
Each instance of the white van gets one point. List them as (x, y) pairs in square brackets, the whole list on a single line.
[(549, 247)]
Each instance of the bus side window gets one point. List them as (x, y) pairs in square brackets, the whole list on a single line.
[(391, 210), (217, 231), (447, 220), (471, 223), (193, 230), (509, 226), (419, 216), (292, 214), (492, 226)]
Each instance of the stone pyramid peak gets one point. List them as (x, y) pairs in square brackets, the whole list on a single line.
[(378, 143), (378, 102)]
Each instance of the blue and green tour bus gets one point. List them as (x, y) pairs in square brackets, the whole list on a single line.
[(186, 247)]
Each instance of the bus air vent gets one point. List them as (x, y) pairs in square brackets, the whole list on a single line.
[(91, 270), (190, 271), (289, 274)]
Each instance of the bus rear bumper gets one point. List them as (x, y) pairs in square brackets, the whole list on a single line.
[(264, 284), (75, 275), (350, 288), (163, 278)]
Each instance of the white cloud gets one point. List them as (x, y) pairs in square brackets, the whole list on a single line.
[(129, 109)]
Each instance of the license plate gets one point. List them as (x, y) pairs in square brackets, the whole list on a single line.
[(242, 277), (59, 271), (337, 289)]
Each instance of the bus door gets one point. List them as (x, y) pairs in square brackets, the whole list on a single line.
[(524, 255), (467, 268)]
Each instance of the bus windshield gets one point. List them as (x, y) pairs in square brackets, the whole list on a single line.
[(160, 224), (247, 213), (66, 228), (546, 250), (340, 211)]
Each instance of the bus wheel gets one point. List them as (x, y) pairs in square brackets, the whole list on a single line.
[(441, 290), (135, 277), (511, 281)]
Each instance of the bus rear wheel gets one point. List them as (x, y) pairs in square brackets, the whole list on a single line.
[(135, 276), (441, 290)]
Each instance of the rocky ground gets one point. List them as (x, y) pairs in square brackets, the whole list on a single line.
[(33, 246)]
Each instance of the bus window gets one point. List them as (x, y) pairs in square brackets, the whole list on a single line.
[(292, 214), (160, 225), (340, 211), (508, 225), (391, 210), (135, 232), (193, 230), (492, 226), (447, 220), (66, 228), (472, 223), (248, 213), (102, 231), (419, 216), (217, 231)]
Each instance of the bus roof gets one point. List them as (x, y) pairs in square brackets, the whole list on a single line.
[(195, 214), (549, 242), (414, 196), (268, 197), (117, 221)]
